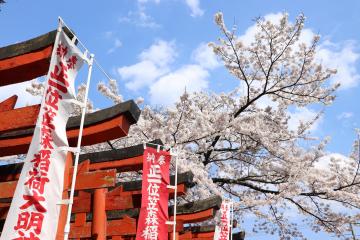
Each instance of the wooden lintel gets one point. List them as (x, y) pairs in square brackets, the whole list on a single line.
[(8, 104), (179, 227), (19, 118), (130, 164), (100, 126), (119, 201), (205, 233), (120, 227), (27, 60), (25, 67), (186, 178), (195, 217), (82, 167), (91, 135), (186, 236), (181, 190), (7, 189), (10, 172), (96, 179), (103, 157), (125, 227), (85, 180), (187, 213), (197, 206)]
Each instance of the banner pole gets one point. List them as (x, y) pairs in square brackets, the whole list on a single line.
[(232, 220), (73, 180), (175, 196)]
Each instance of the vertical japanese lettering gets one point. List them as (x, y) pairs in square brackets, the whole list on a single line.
[(40, 184), (152, 220)]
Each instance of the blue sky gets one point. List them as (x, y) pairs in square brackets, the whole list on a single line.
[(166, 40)]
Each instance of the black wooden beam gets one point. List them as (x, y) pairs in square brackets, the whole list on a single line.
[(31, 45)]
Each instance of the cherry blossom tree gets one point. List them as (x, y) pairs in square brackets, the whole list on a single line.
[(244, 151), (1, 2)]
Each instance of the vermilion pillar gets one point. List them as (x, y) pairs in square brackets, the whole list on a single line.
[(65, 195), (98, 227)]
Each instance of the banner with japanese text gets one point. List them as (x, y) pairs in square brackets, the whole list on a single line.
[(223, 230), (34, 210), (155, 196)]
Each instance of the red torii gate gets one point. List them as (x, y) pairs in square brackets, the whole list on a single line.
[(103, 207)]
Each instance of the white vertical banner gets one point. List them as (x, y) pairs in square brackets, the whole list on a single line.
[(223, 230), (34, 210)]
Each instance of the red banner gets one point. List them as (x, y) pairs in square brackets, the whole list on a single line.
[(155, 196)]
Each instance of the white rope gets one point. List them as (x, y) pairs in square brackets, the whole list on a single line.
[(68, 28), (83, 45), (78, 146), (102, 70)]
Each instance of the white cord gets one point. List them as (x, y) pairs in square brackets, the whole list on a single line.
[(95, 61)]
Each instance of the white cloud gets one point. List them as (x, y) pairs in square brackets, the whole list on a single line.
[(306, 36), (205, 57), (342, 57), (324, 162), (19, 89), (264, 101), (146, 1), (154, 62), (117, 44), (109, 34), (169, 88), (154, 71), (141, 74), (161, 53), (303, 115), (297, 116), (194, 6), (139, 17), (345, 115), (249, 35)]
